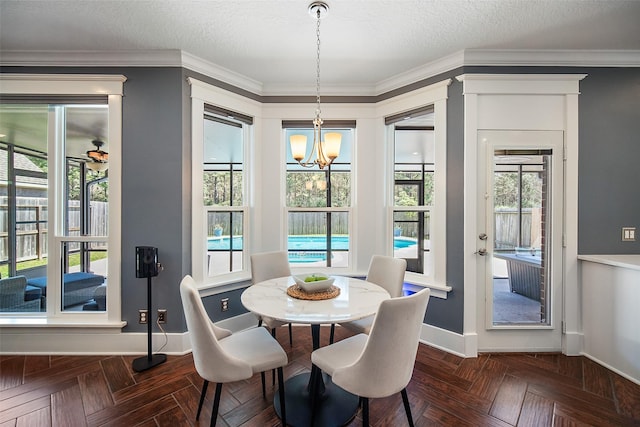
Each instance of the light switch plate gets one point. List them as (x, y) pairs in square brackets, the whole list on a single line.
[(628, 234)]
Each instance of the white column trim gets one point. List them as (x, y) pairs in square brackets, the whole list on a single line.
[(523, 84)]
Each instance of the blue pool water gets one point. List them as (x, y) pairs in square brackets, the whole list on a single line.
[(305, 246), (402, 242)]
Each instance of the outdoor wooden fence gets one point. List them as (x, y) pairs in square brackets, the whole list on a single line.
[(32, 227)]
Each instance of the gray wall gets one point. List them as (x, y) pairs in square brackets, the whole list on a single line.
[(448, 314), (156, 207), (609, 184), (153, 208)]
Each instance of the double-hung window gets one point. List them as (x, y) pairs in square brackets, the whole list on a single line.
[(318, 203), (223, 190), (417, 199), (60, 165), (413, 197), (222, 132)]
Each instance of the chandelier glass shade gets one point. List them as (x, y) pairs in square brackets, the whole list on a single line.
[(323, 152)]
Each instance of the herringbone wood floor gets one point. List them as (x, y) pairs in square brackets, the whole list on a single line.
[(491, 390)]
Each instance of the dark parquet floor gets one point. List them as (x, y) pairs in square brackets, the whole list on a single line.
[(446, 390)]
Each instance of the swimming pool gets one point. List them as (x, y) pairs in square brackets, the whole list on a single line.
[(302, 243)]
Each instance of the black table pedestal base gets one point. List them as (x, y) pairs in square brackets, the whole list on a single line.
[(336, 407)]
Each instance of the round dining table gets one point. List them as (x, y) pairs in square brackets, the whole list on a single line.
[(357, 299)]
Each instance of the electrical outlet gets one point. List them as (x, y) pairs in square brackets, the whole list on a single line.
[(143, 316), (224, 304), (162, 315)]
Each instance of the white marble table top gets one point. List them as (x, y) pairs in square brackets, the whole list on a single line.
[(357, 299)]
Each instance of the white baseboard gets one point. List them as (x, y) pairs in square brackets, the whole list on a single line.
[(88, 342), (611, 368), (572, 344), (108, 341), (442, 339)]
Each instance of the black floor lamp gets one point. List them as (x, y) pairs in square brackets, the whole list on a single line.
[(147, 265)]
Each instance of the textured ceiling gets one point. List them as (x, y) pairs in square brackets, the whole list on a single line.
[(363, 42)]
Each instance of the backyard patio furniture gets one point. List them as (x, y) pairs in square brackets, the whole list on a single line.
[(525, 273), (13, 295), (99, 302), (79, 287)]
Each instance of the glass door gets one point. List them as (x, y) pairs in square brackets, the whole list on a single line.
[(520, 242)]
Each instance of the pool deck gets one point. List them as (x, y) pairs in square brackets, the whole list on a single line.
[(219, 260)]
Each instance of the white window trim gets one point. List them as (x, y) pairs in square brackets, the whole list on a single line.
[(78, 84), (201, 94), (437, 95)]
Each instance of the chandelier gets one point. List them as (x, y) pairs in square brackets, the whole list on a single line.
[(98, 157), (327, 150)]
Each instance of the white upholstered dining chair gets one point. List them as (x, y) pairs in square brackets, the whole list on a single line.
[(265, 266), (379, 364), (222, 357), (386, 272)]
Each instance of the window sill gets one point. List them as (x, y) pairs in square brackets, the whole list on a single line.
[(43, 322), (414, 282), (229, 283)]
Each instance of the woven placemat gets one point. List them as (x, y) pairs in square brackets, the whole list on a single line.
[(295, 291)]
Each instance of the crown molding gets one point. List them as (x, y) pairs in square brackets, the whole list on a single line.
[(282, 89), (433, 68), (556, 58), (514, 58), (127, 58), (91, 58), (468, 57), (214, 71)]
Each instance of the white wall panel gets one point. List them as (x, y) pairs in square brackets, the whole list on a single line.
[(610, 298), (526, 112)]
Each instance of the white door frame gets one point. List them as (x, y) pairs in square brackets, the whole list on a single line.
[(512, 102)]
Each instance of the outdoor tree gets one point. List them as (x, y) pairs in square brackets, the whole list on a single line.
[(507, 194)]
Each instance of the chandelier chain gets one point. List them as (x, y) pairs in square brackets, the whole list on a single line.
[(318, 63), (325, 151)]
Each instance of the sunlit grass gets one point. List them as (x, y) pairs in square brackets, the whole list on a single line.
[(73, 261)]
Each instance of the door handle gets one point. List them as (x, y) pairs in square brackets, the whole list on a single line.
[(482, 236), (481, 252)]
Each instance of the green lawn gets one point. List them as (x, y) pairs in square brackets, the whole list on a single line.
[(73, 261)]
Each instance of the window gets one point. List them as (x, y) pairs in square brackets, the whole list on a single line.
[(84, 200), (319, 204), (418, 193), (413, 197), (24, 213), (518, 202), (63, 251), (222, 126), (223, 195)]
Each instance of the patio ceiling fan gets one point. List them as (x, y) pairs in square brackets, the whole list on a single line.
[(98, 159)]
